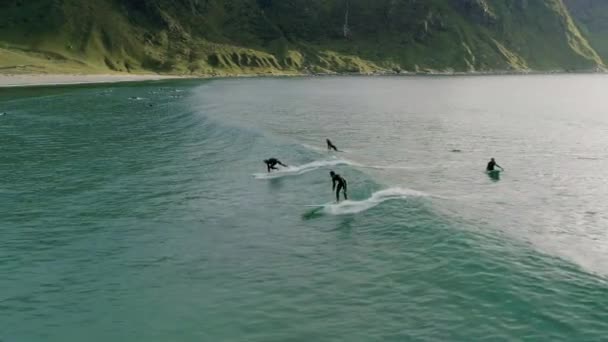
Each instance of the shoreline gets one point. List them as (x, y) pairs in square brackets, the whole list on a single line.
[(34, 80), (37, 80)]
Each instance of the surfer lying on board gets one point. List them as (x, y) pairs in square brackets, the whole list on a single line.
[(272, 162), (492, 164), (331, 146), (336, 178)]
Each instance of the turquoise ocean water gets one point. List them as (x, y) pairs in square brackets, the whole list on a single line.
[(142, 212)]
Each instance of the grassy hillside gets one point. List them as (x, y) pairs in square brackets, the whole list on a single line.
[(592, 18), (227, 37)]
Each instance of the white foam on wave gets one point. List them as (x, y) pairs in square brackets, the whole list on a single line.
[(298, 170), (376, 167), (388, 167), (354, 207), (323, 149), (313, 148)]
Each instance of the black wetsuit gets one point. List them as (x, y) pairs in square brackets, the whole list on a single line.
[(336, 178), (491, 165), (272, 162), (331, 146)]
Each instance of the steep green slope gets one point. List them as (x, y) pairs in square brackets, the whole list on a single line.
[(290, 36), (592, 17)]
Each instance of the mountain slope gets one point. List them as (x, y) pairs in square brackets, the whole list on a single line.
[(292, 36), (592, 18)]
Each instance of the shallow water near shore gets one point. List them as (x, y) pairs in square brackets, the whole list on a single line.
[(144, 212)]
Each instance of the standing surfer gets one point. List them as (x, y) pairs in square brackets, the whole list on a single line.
[(492, 164), (331, 146), (272, 162), (336, 178)]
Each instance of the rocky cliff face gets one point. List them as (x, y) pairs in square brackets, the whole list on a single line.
[(295, 36)]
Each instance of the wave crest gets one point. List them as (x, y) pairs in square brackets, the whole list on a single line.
[(298, 170), (354, 207)]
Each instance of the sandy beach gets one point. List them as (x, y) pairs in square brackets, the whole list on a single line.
[(49, 79)]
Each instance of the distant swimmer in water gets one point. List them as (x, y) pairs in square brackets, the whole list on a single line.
[(331, 146), (336, 178), (492, 164), (272, 162)]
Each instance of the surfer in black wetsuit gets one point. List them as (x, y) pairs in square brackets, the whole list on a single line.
[(331, 146), (272, 162), (336, 178), (492, 164)]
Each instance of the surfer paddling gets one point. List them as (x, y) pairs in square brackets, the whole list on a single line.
[(337, 179), (331, 146), (272, 162), (492, 164)]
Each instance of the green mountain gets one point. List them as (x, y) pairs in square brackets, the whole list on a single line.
[(222, 37), (592, 18)]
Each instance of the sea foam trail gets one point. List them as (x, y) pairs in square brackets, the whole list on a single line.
[(323, 149), (314, 148), (377, 167), (298, 170), (388, 167), (354, 207)]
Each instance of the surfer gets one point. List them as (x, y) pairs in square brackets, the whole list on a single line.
[(272, 162), (492, 164), (336, 178), (331, 146)]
